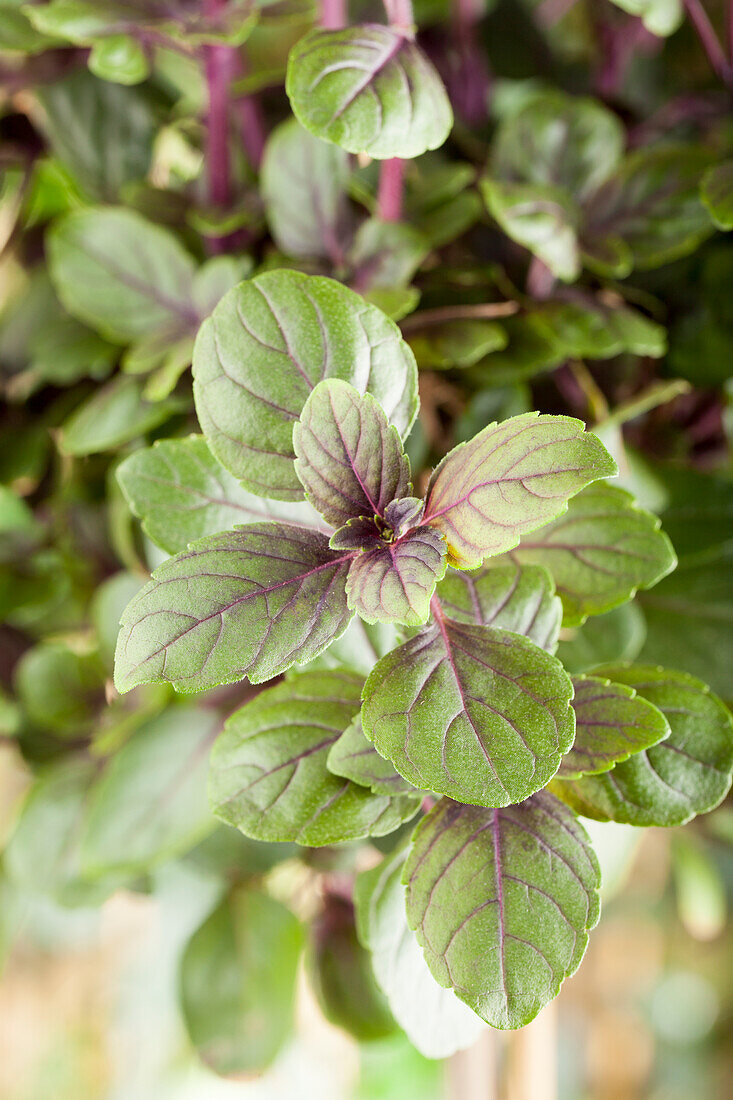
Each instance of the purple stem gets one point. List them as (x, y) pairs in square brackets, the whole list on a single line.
[(389, 197), (333, 14), (399, 14), (710, 42), (252, 126), (540, 280)]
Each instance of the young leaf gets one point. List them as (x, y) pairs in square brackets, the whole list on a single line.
[(687, 774), (237, 982), (522, 883), (540, 218), (370, 90), (559, 140), (511, 478), (150, 803), (354, 757), (435, 1021), (472, 712), (264, 349), (181, 493), (341, 975), (121, 274), (226, 608), (513, 597), (717, 193), (304, 184), (612, 723), (394, 583), (600, 551), (349, 458), (661, 17), (268, 769)]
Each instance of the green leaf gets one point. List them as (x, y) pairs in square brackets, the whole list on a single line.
[(457, 343), (43, 853), (589, 329), (540, 218), (717, 193), (435, 1021), (394, 583), (652, 205), (119, 58), (150, 803), (349, 458), (370, 90), (359, 647), (226, 608), (237, 982), (559, 140), (600, 551), (612, 723), (181, 493), (264, 349), (60, 690), (502, 901), (689, 619), (616, 635), (103, 133), (687, 774), (354, 757), (269, 776), (341, 975), (122, 275), (385, 254), (303, 182), (661, 17), (115, 414), (107, 605), (512, 597), (479, 497), (472, 712)]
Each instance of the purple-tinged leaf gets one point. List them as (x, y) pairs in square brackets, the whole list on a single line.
[(360, 533), (513, 597), (502, 902), (354, 757), (266, 346), (511, 478), (252, 601), (599, 552), (435, 1021), (687, 773), (404, 513), (268, 768), (612, 723), (349, 458), (472, 712), (394, 582)]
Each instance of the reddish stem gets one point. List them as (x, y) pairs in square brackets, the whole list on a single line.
[(399, 14), (540, 279), (710, 42), (389, 197), (334, 15)]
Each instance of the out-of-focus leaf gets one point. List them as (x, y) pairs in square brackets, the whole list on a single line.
[(717, 194), (119, 58), (661, 17), (115, 414), (354, 757), (616, 635), (457, 343), (542, 218), (237, 982), (60, 690), (385, 254)]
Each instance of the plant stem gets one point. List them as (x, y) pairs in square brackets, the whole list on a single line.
[(399, 14), (710, 42), (218, 72), (540, 279), (333, 14), (389, 196), (250, 115), (486, 311)]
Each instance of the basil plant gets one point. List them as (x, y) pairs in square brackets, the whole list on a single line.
[(412, 630)]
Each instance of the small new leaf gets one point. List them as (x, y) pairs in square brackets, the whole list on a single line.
[(252, 601), (472, 712), (370, 90), (612, 723), (394, 582), (511, 478), (689, 773), (502, 901), (349, 458), (600, 551), (269, 776), (513, 597)]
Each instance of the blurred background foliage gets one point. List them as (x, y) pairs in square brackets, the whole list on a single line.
[(134, 927)]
